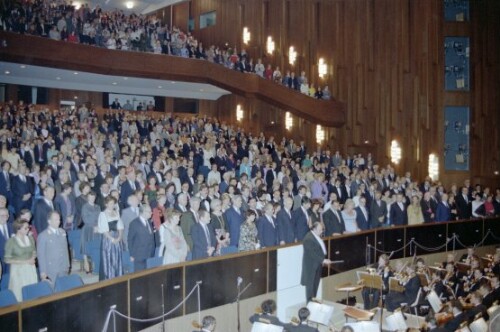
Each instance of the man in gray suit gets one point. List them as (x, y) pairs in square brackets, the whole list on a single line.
[(141, 240), (128, 215), (52, 250)]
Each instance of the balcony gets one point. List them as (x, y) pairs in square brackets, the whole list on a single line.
[(30, 50)]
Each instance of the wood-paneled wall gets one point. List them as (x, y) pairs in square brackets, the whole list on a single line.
[(385, 61)]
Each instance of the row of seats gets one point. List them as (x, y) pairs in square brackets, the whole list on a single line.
[(40, 289)]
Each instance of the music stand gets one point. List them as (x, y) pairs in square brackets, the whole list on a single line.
[(348, 288), (434, 301), (394, 285), (396, 322), (374, 281), (320, 313)]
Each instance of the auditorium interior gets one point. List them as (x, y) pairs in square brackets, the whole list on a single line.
[(414, 84)]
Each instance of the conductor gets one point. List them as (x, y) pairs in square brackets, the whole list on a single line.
[(312, 260)]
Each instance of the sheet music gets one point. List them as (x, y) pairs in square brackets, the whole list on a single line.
[(434, 301), (320, 313), (263, 327), (396, 322)]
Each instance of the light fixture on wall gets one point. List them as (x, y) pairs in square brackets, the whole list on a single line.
[(320, 134), (433, 166), (129, 4), (288, 121), (270, 45), (395, 152), (322, 68), (239, 113), (292, 55), (246, 35)]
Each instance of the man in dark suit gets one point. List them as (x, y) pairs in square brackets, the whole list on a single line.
[(332, 218), (234, 219), (189, 218), (463, 204), (302, 326), (443, 211), (378, 211), (5, 234), (312, 260), (204, 241), (5, 181), (266, 226), (141, 241), (410, 293), (270, 176), (128, 187), (398, 214), (284, 222), (268, 308), (301, 219), (362, 215), (43, 208), (22, 190)]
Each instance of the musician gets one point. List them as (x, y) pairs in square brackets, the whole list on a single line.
[(421, 267), (437, 285), (450, 259), (268, 308), (371, 296), (458, 316), (312, 260), (494, 266), (409, 295), (469, 256), (207, 324), (302, 326), (476, 300), (488, 295)]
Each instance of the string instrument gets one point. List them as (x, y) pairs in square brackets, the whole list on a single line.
[(463, 301), (196, 325), (443, 317)]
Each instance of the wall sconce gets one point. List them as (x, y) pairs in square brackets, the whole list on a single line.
[(288, 121), (246, 35), (292, 55), (395, 152), (322, 68), (433, 166), (270, 45), (320, 134), (239, 113)]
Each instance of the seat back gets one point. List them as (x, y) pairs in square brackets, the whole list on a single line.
[(74, 239), (154, 262), (93, 250), (65, 283), (37, 290), (4, 283), (7, 298), (479, 325)]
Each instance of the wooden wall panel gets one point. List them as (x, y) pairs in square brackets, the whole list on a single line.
[(386, 62)]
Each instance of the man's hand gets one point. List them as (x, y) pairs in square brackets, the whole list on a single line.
[(131, 258), (210, 251), (43, 275), (327, 261)]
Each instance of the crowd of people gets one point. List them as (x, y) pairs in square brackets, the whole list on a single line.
[(115, 30), (192, 187)]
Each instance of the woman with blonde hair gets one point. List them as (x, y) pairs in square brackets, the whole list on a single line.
[(349, 215)]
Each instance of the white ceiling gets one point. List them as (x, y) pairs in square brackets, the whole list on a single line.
[(139, 6), (14, 73)]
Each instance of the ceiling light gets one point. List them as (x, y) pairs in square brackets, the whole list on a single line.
[(22, 66), (7, 72), (125, 78), (172, 82), (159, 87), (75, 97), (129, 4), (114, 83), (76, 73), (58, 78), (201, 90), (246, 35)]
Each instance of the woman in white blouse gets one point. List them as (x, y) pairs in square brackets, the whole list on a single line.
[(111, 227), (173, 247)]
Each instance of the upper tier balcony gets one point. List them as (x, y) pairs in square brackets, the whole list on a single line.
[(30, 50)]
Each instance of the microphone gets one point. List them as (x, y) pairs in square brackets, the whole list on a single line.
[(239, 280)]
